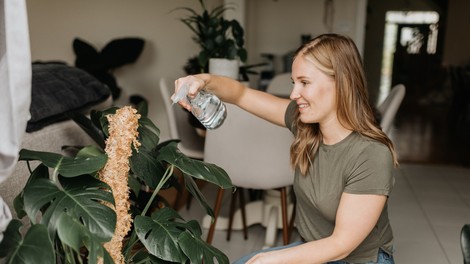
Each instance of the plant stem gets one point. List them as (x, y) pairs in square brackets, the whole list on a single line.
[(132, 240), (55, 176), (166, 176), (69, 254)]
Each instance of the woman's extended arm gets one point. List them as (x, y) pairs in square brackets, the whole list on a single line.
[(261, 104), (356, 217)]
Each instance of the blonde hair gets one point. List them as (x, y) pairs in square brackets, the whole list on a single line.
[(337, 57)]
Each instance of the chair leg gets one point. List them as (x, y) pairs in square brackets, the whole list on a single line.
[(218, 203), (233, 200), (188, 201), (240, 193), (182, 192), (285, 226), (242, 207), (292, 217)]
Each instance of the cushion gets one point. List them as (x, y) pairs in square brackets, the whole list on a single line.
[(58, 89)]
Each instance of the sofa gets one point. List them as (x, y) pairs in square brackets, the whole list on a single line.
[(57, 89)]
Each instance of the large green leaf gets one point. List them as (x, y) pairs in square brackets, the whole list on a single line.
[(36, 247), (159, 234), (143, 256), (74, 234), (41, 171), (100, 120), (195, 168), (142, 107), (67, 166), (87, 125), (148, 134), (165, 236), (193, 188), (81, 197), (199, 251), (145, 166)]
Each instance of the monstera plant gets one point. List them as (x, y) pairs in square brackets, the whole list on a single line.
[(80, 208)]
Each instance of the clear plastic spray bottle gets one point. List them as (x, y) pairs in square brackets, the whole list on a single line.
[(205, 106)]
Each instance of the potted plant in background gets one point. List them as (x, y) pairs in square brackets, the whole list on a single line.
[(80, 210), (220, 39)]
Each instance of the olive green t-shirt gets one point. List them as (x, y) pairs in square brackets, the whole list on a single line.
[(357, 165)]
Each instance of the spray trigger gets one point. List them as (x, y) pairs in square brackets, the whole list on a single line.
[(182, 93)]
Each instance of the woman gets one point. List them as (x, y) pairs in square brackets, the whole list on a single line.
[(343, 161)]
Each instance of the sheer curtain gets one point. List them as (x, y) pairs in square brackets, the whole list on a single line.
[(15, 89)]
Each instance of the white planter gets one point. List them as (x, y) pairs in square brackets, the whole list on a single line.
[(224, 67)]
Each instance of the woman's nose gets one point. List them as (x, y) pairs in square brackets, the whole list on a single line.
[(294, 95)]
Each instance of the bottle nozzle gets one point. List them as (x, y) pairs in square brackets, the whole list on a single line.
[(182, 93)]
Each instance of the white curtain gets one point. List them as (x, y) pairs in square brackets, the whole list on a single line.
[(15, 89)]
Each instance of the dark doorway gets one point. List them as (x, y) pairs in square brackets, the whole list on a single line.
[(416, 64), (424, 131)]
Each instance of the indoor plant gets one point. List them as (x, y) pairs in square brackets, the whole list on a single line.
[(217, 37), (73, 202)]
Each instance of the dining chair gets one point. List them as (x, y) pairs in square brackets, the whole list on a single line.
[(388, 108), (191, 143), (255, 154), (281, 84)]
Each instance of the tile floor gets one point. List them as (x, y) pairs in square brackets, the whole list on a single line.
[(428, 207)]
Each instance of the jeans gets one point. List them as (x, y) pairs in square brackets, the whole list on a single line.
[(247, 257), (382, 258)]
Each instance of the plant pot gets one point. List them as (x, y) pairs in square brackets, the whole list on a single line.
[(224, 67)]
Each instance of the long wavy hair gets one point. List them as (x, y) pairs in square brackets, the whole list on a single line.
[(337, 57)]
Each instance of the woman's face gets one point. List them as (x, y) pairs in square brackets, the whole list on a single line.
[(314, 92)]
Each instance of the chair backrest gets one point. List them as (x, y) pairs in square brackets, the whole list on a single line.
[(254, 152), (281, 84), (191, 143), (389, 107)]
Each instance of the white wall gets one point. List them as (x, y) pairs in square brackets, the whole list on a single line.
[(271, 26), (55, 23), (276, 26)]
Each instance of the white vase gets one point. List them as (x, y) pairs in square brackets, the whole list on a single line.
[(224, 67)]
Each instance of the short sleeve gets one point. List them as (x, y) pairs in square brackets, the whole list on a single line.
[(372, 171)]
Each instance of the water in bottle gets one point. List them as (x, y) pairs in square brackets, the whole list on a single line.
[(205, 106)]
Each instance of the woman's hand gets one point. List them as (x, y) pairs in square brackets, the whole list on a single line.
[(269, 257), (195, 83)]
